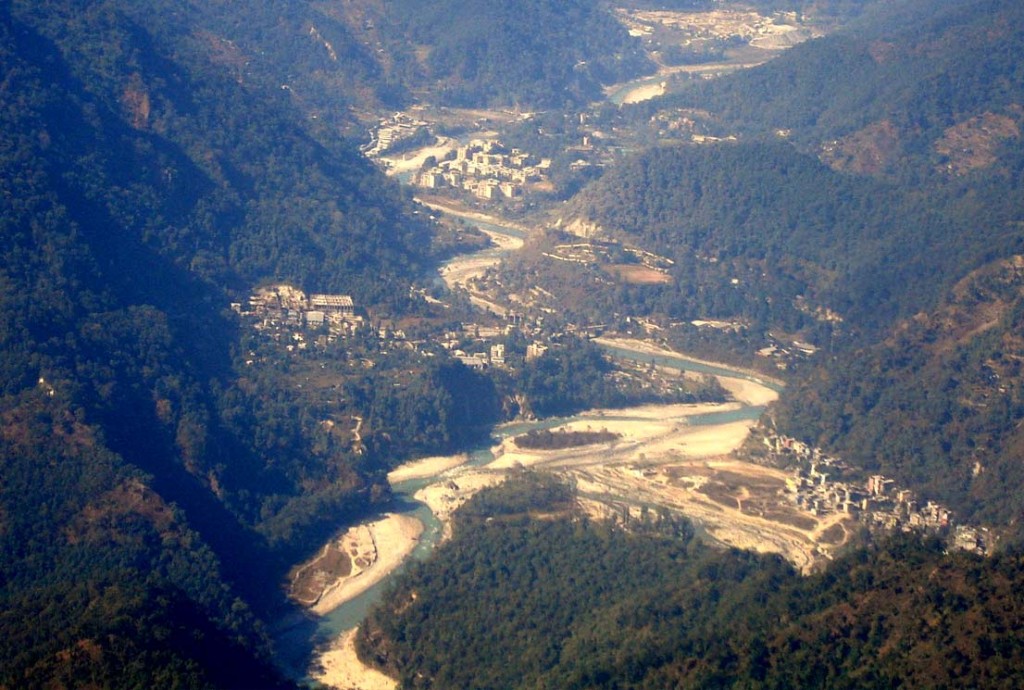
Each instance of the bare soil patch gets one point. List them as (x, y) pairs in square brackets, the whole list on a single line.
[(310, 580), (427, 467), (724, 494), (635, 274), (787, 515), (340, 667), (836, 534)]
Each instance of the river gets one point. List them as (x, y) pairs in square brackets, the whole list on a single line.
[(351, 613), (293, 643)]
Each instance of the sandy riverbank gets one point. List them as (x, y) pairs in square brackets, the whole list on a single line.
[(454, 210), (644, 347), (426, 467), (449, 494), (463, 269), (748, 392), (339, 667), (645, 434), (460, 272), (377, 549), (382, 545), (644, 93), (414, 161), (650, 438)]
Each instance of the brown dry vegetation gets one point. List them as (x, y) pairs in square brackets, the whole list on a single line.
[(974, 143), (868, 151), (105, 518), (221, 50), (329, 566), (836, 534)]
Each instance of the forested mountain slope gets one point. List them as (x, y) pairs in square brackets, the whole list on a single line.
[(928, 96), (525, 53), (938, 404), (877, 175), (588, 605), (762, 232), (240, 190), (922, 88), (144, 495)]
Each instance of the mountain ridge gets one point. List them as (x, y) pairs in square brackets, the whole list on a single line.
[(938, 403), (144, 188)]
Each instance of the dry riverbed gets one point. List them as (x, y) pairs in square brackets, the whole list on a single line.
[(339, 666), (352, 563)]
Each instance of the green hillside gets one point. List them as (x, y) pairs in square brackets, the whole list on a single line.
[(162, 464), (891, 93), (927, 98), (761, 232), (527, 53), (151, 497), (938, 404), (580, 604), (892, 203)]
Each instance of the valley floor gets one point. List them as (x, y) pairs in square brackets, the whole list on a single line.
[(663, 456)]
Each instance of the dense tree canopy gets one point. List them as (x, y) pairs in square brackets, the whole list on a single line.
[(938, 404), (587, 605), (762, 231), (145, 185), (159, 159), (880, 93), (525, 53)]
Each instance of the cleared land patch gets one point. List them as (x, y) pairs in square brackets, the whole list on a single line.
[(309, 581), (638, 275)]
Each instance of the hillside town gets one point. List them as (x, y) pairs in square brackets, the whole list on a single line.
[(288, 316), (817, 487), (487, 170), (283, 312)]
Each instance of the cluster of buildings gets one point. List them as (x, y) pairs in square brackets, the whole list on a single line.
[(786, 352), (283, 310), (494, 356), (817, 488), (289, 316), (718, 24), (486, 170), (476, 347), (391, 131)]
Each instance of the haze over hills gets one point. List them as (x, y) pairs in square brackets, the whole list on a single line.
[(529, 54), (164, 461), (159, 162), (761, 232)]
